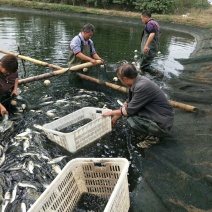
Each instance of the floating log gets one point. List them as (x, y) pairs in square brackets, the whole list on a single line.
[(81, 66)]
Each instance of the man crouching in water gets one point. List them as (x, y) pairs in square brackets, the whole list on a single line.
[(8, 82), (147, 109)]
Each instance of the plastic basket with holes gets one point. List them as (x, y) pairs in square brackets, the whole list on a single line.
[(73, 141), (103, 177)]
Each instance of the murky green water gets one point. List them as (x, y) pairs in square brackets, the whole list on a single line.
[(47, 38)]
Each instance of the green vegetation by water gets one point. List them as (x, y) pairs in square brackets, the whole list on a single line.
[(194, 17)]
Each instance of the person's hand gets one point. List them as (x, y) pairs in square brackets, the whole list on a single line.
[(3, 110), (146, 49), (114, 120), (125, 104), (109, 113), (93, 61), (102, 60), (14, 93)]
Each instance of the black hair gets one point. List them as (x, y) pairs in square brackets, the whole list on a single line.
[(127, 70), (10, 63), (88, 28), (146, 13)]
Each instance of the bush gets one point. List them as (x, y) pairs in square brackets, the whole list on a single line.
[(155, 6)]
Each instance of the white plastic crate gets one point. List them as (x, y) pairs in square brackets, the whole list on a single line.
[(84, 135), (104, 177)]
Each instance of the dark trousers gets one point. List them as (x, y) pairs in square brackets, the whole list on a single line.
[(144, 126)]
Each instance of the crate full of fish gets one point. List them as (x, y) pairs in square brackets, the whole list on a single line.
[(79, 128), (88, 184)]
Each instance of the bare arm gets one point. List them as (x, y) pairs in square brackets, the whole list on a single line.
[(81, 56), (15, 89), (96, 57), (3, 110), (149, 40), (116, 116)]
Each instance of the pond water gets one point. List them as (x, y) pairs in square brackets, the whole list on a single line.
[(47, 38)]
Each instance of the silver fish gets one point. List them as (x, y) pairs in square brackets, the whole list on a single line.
[(62, 101), (14, 192), (6, 124), (6, 201), (23, 207), (37, 126), (30, 166), (46, 98), (56, 168), (33, 154), (46, 103), (56, 160), (50, 114), (52, 111), (25, 144), (119, 102), (2, 155), (26, 185)]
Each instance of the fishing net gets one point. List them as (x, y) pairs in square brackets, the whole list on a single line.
[(177, 174)]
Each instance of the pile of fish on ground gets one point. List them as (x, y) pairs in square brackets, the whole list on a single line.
[(29, 161)]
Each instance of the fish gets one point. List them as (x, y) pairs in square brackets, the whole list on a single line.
[(30, 166), (6, 124), (2, 155), (62, 101), (37, 126), (119, 102), (14, 192), (56, 160), (25, 144), (26, 185), (6, 200), (46, 103), (52, 111), (56, 168), (50, 114), (23, 207), (23, 134), (46, 98), (33, 154)]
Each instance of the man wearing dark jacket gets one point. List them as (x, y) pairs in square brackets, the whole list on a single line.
[(147, 109)]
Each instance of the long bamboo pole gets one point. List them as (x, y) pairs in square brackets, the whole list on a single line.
[(55, 73), (42, 76), (81, 66), (124, 90), (32, 60), (108, 84)]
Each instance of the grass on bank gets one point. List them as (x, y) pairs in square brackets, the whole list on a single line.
[(199, 18)]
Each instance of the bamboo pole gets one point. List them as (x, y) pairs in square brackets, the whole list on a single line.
[(42, 76), (124, 90), (58, 72), (108, 84), (81, 66), (32, 60), (182, 106)]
